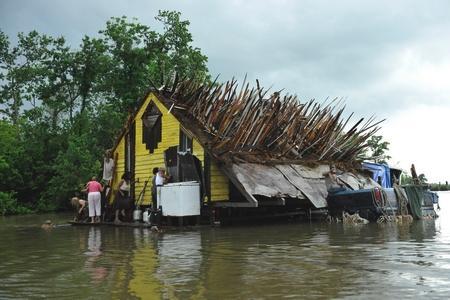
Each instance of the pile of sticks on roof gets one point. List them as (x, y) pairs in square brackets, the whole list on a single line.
[(254, 124)]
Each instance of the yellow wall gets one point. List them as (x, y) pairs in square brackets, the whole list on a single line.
[(219, 184), (198, 151), (145, 162)]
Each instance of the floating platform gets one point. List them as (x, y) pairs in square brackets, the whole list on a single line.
[(121, 224), (159, 228)]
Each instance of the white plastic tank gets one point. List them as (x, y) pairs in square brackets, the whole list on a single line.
[(179, 199)]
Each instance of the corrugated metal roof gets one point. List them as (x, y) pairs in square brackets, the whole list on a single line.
[(265, 180), (292, 180)]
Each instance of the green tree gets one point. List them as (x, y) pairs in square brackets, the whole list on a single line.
[(406, 179), (21, 70), (140, 56), (11, 153), (63, 106), (73, 167), (377, 149), (422, 178)]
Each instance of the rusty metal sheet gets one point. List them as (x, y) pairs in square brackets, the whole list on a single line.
[(313, 193), (265, 180), (316, 180), (316, 173), (367, 182), (289, 180), (321, 192), (351, 180), (355, 182)]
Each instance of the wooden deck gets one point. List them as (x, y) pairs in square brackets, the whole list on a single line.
[(160, 228), (122, 224)]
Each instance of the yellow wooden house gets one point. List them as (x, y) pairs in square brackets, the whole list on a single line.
[(143, 145), (161, 133)]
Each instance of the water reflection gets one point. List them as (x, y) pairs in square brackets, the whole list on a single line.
[(306, 260), (98, 272), (255, 262), (179, 262)]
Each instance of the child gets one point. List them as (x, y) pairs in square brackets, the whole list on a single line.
[(79, 205), (48, 225)]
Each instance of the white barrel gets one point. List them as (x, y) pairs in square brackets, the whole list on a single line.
[(137, 215), (146, 216)]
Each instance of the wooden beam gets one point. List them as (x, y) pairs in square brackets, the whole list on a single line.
[(233, 204), (273, 202), (251, 200)]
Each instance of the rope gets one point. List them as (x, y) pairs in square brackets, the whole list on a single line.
[(401, 199), (385, 217)]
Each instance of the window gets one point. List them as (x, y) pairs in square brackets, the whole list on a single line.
[(185, 142), (151, 127)]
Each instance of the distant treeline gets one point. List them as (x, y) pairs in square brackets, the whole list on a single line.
[(440, 187), (62, 106)]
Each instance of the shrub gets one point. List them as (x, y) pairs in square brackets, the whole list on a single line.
[(10, 206)]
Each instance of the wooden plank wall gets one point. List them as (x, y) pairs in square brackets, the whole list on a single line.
[(219, 184), (145, 161)]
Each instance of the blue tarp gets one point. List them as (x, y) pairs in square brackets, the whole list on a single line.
[(379, 170)]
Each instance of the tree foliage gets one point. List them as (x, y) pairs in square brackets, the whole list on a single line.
[(377, 150), (61, 107), (422, 178)]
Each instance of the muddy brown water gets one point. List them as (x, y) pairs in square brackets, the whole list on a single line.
[(293, 261)]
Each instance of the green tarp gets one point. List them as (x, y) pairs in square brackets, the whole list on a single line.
[(415, 195)]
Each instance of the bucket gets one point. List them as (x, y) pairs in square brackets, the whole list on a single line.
[(146, 216), (137, 215)]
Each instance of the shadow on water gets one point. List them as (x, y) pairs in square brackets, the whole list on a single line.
[(258, 262)]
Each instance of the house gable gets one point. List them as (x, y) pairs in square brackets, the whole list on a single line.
[(149, 154), (145, 161)]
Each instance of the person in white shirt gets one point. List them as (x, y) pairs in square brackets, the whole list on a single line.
[(160, 177), (108, 171), (108, 167)]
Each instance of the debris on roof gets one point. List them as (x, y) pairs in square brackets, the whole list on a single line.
[(250, 125)]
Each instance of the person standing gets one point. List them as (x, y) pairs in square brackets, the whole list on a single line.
[(122, 201), (161, 177), (94, 189), (108, 167), (154, 199), (108, 171)]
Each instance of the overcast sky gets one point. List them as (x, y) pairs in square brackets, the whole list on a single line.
[(390, 59)]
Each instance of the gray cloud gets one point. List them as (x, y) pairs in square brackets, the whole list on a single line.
[(385, 58), (314, 49)]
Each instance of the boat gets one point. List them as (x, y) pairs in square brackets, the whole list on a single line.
[(388, 199)]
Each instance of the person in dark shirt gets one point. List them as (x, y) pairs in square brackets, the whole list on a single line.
[(155, 172)]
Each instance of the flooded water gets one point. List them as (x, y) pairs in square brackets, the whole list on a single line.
[(252, 262)]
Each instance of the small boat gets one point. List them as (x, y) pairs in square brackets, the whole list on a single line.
[(386, 200)]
